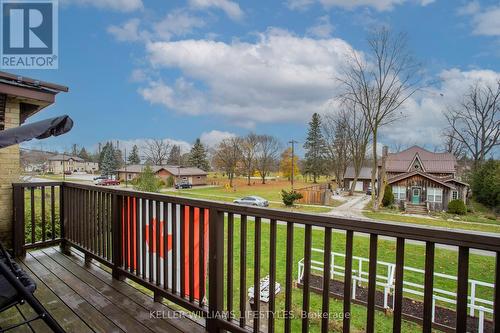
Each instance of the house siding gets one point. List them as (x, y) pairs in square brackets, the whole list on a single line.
[(424, 184)]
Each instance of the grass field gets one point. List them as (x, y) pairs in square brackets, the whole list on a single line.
[(485, 226), (270, 191), (481, 268)]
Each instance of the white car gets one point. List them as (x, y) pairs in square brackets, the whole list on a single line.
[(252, 201)]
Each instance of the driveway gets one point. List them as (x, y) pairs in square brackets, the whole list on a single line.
[(353, 207)]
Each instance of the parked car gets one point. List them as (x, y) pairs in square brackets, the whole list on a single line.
[(183, 185), (98, 179), (252, 201), (67, 172), (108, 182)]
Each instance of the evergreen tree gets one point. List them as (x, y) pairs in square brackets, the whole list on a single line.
[(134, 158), (107, 160), (198, 156), (118, 158), (83, 154), (174, 157), (147, 181), (315, 148)]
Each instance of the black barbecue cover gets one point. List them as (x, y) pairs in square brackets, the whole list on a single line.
[(39, 130)]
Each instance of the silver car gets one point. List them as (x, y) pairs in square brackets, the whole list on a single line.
[(252, 201)]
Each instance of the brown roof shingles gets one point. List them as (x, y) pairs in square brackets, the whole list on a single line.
[(432, 162)]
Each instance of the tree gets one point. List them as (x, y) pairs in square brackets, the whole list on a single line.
[(336, 147), (174, 157), (227, 156), (475, 122), (198, 156), (249, 145), (380, 84), (357, 132), (156, 151), (388, 199), (147, 181), (118, 158), (107, 161), (485, 183), (266, 155), (314, 158), (286, 163), (134, 158), (83, 154)]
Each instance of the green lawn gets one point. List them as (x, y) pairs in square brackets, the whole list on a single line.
[(481, 268), (200, 194), (472, 222)]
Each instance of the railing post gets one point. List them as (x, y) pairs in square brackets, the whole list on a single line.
[(18, 228), (216, 269), (116, 240), (65, 248)]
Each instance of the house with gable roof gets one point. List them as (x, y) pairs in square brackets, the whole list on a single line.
[(423, 181)]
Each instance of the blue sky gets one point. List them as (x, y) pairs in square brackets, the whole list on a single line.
[(179, 70)]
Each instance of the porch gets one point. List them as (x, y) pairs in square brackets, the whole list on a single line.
[(202, 256), (83, 297)]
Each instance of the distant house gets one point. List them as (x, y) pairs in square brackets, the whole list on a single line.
[(66, 163), (423, 180), (363, 182), (33, 160), (193, 176)]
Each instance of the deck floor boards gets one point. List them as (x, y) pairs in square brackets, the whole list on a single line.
[(85, 298)]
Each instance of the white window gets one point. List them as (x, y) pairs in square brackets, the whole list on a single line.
[(454, 195), (399, 192), (434, 194)]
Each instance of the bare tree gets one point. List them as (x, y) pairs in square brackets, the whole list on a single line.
[(227, 156), (358, 134), (156, 151), (451, 144), (336, 146), (475, 123), (380, 85), (267, 154), (249, 146)]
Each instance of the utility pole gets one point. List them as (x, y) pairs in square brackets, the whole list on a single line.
[(293, 142), (126, 175)]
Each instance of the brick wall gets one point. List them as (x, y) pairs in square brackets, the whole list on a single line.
[(9, 172)]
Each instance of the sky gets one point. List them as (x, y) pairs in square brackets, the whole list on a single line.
[(179, 70)]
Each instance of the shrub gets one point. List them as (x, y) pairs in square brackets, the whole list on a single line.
[(388, 198), (289, 197), (170, 181), (457, 207), (147, 181), (486, 183)]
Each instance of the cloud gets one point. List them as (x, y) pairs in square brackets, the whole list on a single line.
[(379, 5), (425, 121), (118, 5), (214, 137), (231, 8), (485, 21), (177, 23), (278, 78), (322, 29), (299, 4), (128, 31)]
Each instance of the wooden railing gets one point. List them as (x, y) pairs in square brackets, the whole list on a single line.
[(131, 233)]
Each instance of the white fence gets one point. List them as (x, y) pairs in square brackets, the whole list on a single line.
[(475, 304)]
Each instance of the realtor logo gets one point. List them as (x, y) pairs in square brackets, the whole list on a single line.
[(29, 34)]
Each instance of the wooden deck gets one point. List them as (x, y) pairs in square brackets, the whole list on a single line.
[(85, 298)]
